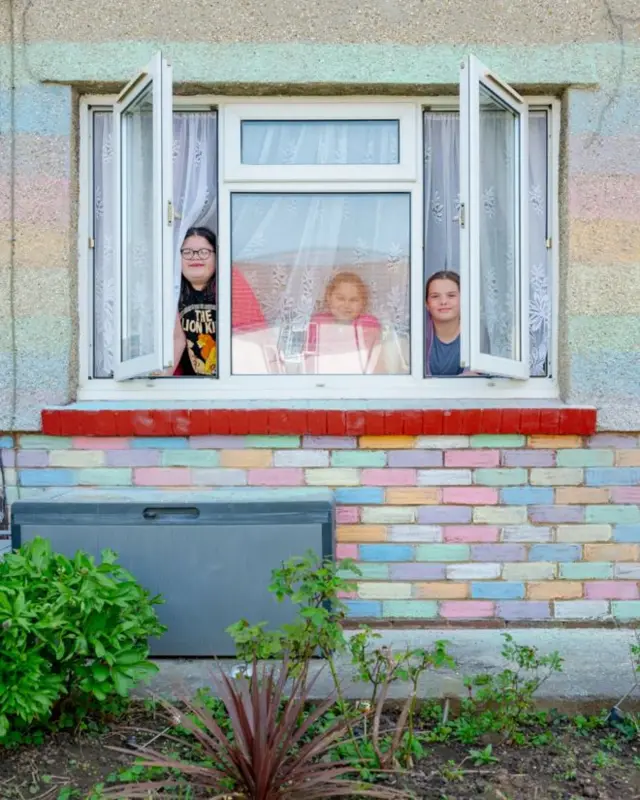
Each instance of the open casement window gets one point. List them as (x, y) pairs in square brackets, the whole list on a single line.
[(145, 305), (494, 217)]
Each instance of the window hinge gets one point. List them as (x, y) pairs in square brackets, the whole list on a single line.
[(462, 217), (92, 243), (548, 243), (169, 213)]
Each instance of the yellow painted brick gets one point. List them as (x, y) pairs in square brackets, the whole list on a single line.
[(246, 459), (384, 591), (412, 496), (442, 590), (628, 458), (583, 533), (387, 442), (612, 552), (361, 533), (581, 495), (554, 442), (554, 590)]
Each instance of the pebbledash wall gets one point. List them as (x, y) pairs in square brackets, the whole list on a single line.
[(518, 522)]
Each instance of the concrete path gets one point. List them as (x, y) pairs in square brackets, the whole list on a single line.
[(597, 666)]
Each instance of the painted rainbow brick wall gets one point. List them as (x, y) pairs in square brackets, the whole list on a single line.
[(443, 528)]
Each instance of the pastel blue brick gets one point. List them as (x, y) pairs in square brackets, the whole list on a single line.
[(41, 442), (272, 442), (443, 552), (357, 496), (47, 477), (108, 476), (527, 495), (626, 609), (555, 552), (159, 443), (363, 608), (497, 590), (613, 476), (586, 570), (498, 441), (584, 458), (626, 533), (614, 515), (386, 552), (409, 609), (6, 442)]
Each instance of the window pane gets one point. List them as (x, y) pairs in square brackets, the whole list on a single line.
[(320, 283), (442, 208), (290, 142), (139, 311)]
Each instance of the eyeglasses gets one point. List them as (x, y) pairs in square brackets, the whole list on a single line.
[(187, 253)]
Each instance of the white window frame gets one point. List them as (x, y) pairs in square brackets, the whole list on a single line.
[(310, 388), (157, 77)]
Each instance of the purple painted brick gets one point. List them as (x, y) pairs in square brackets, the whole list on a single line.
[(416, 572), (133, 458), (218, 442), (528, 458), (8, 457), (498, 552), (438, 514), (613, 440), (415, 458), (33, 458), (523, 609), (556, 513), (330, 442)]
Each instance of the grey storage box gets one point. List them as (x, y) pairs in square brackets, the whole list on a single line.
[(211, 561)]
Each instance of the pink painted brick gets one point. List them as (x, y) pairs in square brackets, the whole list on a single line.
[(162, 476), (472, 458), (470, 495), (611, 590), (330, 442), (471, 533), (348, 595), (133, 458), (32, 458), (276, 477), (467, 609), (346, 551), (623, 494), (528, 458), (389, 477), (347, 515), (99, 443)]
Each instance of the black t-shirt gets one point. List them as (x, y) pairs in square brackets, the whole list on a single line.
[(198, 320)]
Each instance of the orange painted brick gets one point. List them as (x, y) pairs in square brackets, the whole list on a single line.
[(412, 496), (627, 458), (612, 552), (554, 442), (442, 590), (387, 442), (554, 590), (581, 495), (246, 459), (361, 533)]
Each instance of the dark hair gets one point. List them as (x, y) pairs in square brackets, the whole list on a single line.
[(187, 292), (443, 275)]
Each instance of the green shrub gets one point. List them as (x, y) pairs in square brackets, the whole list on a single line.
[(73, 635)]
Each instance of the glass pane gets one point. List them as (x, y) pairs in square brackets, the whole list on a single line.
[(320, 141), (320, 283), (441, 215), (138, 310), (499, 217)]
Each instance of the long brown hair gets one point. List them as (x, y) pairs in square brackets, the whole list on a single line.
[(443, 275), (347, 277)]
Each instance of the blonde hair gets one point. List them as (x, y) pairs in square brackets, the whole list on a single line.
[(347, 277)]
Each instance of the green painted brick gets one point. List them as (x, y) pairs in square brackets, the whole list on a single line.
[(190, 458), (411, 609), (616, 515), (443, 552), (586, 570), (369, 571), (498, 441), (274, 442), (585, 458), (359, 458), (501, 477), (625, 609), (104, 477), (37, 442)]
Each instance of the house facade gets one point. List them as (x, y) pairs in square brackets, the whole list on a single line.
[(386, 141)]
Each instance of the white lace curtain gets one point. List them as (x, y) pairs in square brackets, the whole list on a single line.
[(442, 233), (195, 203)]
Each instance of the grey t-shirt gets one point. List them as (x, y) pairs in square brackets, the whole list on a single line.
[(445, 357)]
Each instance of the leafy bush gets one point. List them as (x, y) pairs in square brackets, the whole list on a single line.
[(73, 635)]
